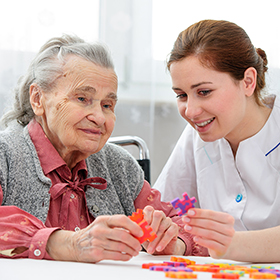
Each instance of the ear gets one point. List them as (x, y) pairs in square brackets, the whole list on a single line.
[(35, 98), (250, 80)]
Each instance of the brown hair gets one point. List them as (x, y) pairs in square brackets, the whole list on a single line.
[(223, 46)]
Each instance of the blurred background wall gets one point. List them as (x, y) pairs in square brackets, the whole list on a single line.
[(140, 34)]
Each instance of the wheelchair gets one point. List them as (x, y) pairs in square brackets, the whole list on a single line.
[(144, 157)]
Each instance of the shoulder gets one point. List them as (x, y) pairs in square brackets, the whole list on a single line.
[(115, 159), (11, 136), (273, 102), (116, 153)]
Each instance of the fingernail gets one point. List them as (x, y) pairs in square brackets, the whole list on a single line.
[(150, 251), (186, 219), (159, 248), (187, 227), (191, 212)]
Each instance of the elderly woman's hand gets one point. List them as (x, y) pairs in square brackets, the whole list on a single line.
[(108, 237), (213, 230), (167, 241)]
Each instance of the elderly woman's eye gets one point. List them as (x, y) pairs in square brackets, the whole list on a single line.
[(107, 106), (82, 99)]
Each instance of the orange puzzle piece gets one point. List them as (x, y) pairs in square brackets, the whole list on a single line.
[(261, 275), (225, 275), (148, 233), (180, 275)]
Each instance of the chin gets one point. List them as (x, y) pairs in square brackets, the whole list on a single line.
[(208, 138)]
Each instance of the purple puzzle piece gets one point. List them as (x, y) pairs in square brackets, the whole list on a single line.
[(183, 204)]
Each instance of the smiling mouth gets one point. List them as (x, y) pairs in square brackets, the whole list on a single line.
[(92, 131), (202, 124)]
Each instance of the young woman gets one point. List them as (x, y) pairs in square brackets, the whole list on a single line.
[(228, 155)]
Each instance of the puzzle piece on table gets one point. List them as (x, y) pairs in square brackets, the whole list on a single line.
[(225, 275), (160, 268), (182, 260), (183, 204), (148, 265), (180, 275), (241, 273), (175, 264), (148, 233), (204, 268), (261, 275), (270, 270), (180, 268)]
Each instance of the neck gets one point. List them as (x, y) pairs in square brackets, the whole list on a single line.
[(253, 122)]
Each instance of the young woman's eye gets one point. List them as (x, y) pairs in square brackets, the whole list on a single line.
[(204, 92), (182, 96)]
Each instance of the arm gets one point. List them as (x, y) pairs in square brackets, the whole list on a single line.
[(215, 231), (22, 235), (172, 238)]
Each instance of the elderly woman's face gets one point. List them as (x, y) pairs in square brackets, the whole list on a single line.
[(78, 114)]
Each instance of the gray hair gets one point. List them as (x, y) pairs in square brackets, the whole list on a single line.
[(47, 66)]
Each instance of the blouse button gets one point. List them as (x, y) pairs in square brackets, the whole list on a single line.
[(37, 252), (239, 197), (77, 228), (94, 209), (72, 196)]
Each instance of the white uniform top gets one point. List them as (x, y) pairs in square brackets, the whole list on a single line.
[(247, 187)]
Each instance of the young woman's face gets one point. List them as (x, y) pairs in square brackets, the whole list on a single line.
[(211, 101)]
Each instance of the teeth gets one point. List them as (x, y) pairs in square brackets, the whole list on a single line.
[(204, 123)]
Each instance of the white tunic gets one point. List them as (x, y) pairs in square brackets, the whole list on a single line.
[(247, 187)]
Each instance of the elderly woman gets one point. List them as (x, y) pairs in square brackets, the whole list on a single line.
[(65, 193)]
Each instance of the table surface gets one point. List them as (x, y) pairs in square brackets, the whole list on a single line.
[(42, 269)]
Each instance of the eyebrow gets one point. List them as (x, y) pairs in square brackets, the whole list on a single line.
[(86, 88), (92, 90), (194, 86)]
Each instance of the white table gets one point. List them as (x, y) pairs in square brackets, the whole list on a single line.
[(21, 269)]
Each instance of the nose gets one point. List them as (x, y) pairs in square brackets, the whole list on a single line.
[(96, 114), (192, 108)]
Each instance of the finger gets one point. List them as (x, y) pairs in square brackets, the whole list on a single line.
[(167, 230), (159, 222), (211, 225), (121, 238), (210, 215), (121, 247), (148, 213), (116, 256), (121, 221), (216, 250), (209, 234), (170, 234), (96, 254)]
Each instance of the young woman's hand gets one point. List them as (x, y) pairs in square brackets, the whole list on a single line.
[(213, 230)]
